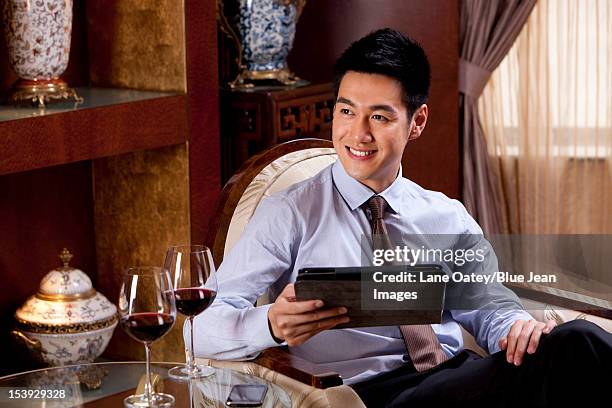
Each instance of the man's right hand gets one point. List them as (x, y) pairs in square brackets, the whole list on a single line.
[(295, 322)]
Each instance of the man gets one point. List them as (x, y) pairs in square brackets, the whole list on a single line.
[(382, 84)]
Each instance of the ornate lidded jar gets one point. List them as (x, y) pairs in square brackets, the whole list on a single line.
[(67, 321)]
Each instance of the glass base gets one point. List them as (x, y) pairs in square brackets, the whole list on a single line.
[(183, 373), (157, 400)]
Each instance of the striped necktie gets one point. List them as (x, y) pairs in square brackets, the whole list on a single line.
[(421, 342)]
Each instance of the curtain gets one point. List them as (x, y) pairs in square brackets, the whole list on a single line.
[(547, 117), (488, 29)]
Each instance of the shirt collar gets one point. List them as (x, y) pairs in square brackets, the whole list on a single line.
[(355, 193)]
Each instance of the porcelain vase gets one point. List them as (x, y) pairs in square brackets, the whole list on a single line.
[(37, 34), (263, 31)]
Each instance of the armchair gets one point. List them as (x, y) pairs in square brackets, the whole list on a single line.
[(275, 169)]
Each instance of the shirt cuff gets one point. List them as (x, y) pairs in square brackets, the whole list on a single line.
[(256, 319)]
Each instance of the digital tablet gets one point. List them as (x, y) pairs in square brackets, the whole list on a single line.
[(377, 296)]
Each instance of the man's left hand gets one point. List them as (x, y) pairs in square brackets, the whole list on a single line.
[(524, 335)]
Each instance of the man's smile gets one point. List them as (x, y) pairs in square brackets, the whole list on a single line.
[(360, 154)]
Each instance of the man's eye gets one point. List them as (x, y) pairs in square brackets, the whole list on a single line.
[(345, 111), (379, 118)]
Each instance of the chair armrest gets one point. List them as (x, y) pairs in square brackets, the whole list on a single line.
[(281, 360), (563, 298)]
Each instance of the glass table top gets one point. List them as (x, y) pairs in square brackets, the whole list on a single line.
[(107, 384)]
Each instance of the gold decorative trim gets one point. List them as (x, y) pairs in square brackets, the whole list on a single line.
[(41, 92), (43, 328), (34, 344), (246, 78), (57, 297), (65, 256)]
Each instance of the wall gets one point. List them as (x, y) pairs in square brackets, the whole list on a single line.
[(41, 212)]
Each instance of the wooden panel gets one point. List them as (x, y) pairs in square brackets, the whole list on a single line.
[(203, 95), (137, 44), (92, 133), (433, 159), (282, 361), (41, 212), (141, 207)]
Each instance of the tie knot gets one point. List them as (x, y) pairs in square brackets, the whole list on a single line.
[(377, 205)]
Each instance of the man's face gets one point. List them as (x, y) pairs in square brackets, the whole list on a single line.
[(371, 128)]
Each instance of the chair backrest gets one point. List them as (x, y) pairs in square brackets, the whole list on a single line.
[(266, 173)]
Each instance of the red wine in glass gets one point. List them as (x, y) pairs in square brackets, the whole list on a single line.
[(195, 287), (147, 311), (147, 327), (193, 301)]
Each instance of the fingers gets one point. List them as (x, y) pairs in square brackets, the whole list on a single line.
[(294, 307), (288, 293), (541, 328), (535, 338), (316, 315), (299, 334), (292, 326), (291, 306), (524, 339), (551, 324), (512, 338), (503, 343), (290, 319)]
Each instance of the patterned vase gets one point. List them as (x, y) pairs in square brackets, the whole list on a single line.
[(37, 34), (263, 31)]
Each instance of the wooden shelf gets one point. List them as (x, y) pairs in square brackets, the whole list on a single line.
[(109, 122)]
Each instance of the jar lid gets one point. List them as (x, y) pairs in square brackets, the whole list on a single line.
[(65, 283), (65, 298)]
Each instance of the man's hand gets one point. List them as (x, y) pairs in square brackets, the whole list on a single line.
[(295, 322), (524, 335)]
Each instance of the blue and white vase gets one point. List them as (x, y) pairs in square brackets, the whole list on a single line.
[(265, 32)]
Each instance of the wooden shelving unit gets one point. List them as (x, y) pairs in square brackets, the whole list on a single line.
[(54, 162), (109, 122)]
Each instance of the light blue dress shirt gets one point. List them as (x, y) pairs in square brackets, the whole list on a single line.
[(319, 222)]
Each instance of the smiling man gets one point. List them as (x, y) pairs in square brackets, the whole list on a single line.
[(382, 84), (367, 105)]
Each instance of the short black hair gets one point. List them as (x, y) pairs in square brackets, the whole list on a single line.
[(388, 52)]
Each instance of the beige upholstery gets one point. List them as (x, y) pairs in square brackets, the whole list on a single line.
[(302, 395), (280, 174), (277, 176)]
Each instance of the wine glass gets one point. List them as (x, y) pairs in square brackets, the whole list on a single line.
[(147, 312), (195, 286)]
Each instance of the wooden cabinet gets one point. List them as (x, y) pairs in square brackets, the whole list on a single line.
[(254, 120)]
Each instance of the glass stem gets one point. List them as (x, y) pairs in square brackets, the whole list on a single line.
[(147, 386), (191, 403), (191, 358)]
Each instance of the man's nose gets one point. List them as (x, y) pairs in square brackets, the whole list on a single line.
[(361, 131)]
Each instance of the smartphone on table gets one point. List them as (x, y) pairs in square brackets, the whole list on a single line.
[(247, 395)]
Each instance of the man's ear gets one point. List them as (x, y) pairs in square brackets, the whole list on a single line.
[(420, 120)]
